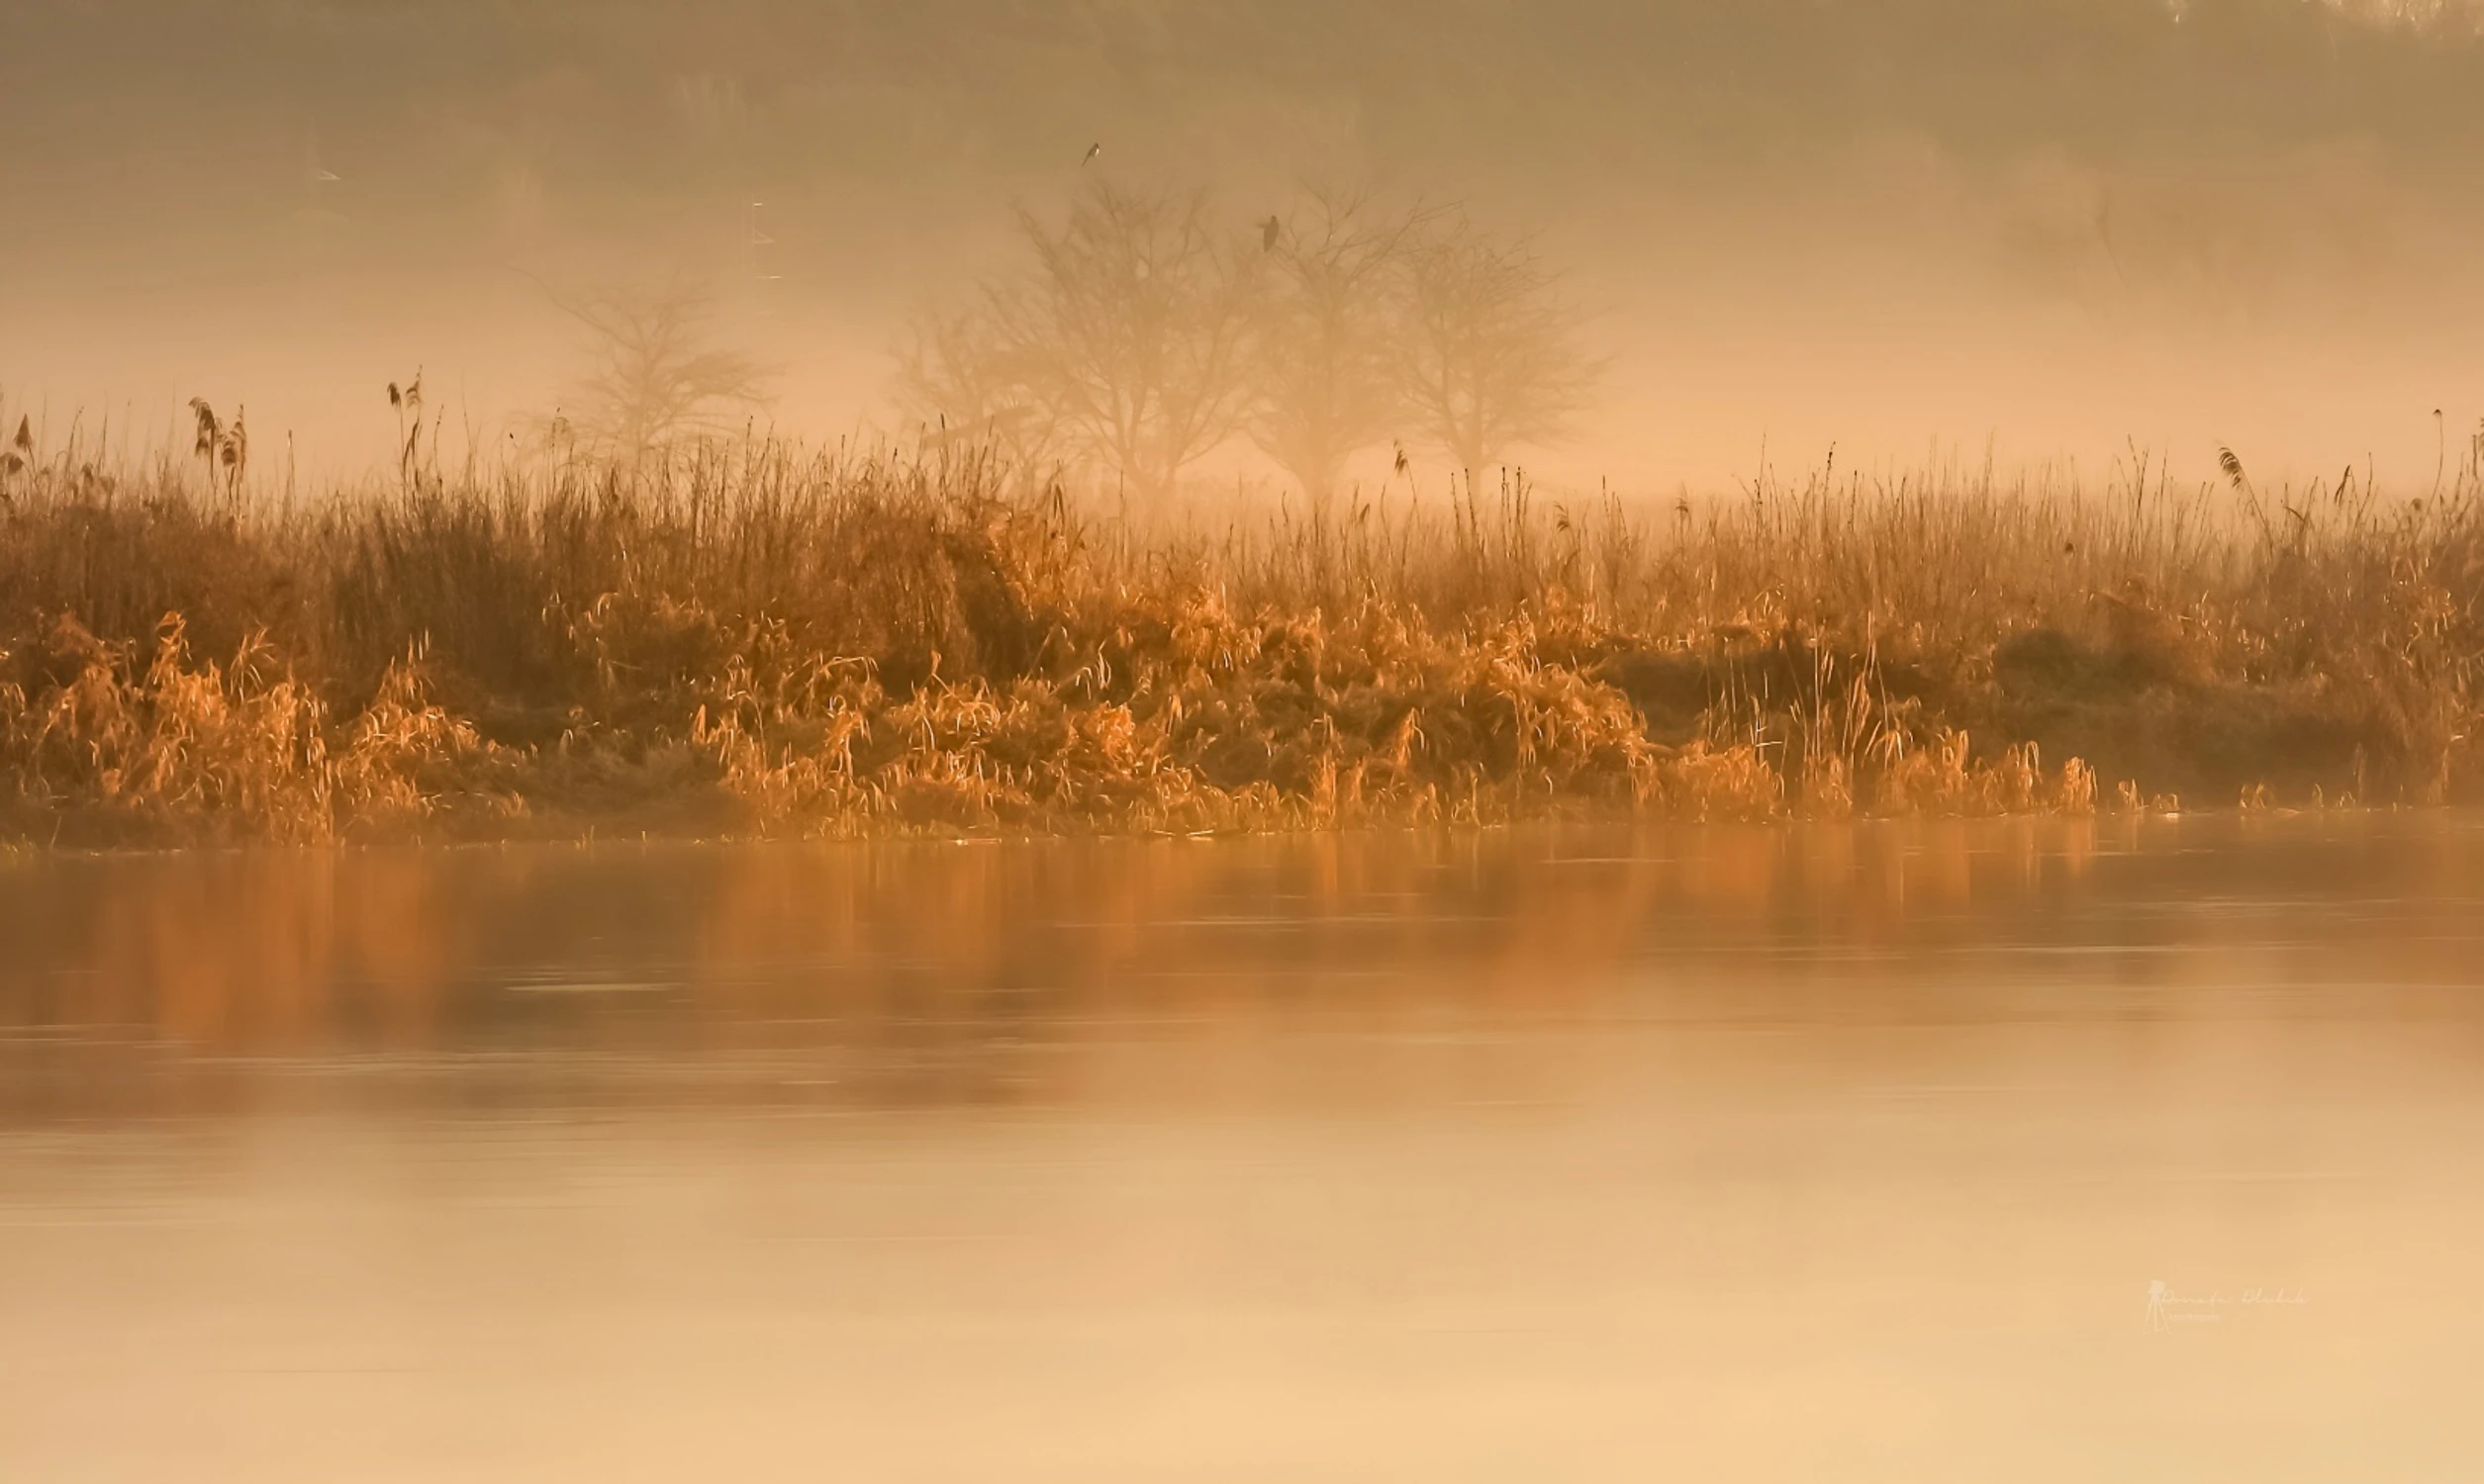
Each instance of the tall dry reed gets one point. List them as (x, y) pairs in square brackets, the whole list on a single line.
[(756, 638)]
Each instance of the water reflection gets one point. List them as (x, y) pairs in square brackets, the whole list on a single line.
[(958, 974), (1929, 1152)]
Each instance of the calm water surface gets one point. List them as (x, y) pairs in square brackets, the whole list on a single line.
[(2014, 1151)]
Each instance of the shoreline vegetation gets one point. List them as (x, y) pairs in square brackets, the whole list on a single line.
[(754, 639)]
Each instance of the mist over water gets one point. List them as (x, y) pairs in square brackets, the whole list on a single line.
[(1891, 228)]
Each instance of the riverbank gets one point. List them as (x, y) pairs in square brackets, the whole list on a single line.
[(756, 640)]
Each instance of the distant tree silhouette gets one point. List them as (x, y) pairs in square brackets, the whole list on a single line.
[(1142, 336), (1324, 383), (653, 375), (1123, 343), (1486, 355), (964, 385)]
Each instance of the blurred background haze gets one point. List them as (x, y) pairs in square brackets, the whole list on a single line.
[(2049, 227)]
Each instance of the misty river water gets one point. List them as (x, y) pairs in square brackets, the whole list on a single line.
[(2026, 1151)]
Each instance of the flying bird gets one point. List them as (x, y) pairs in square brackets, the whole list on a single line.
[(1268, 234), (1092, 152)]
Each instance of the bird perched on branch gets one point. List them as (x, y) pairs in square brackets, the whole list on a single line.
[(1093, 150), (1268, 230)]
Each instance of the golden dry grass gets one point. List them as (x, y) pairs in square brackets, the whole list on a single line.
[(754, 639)]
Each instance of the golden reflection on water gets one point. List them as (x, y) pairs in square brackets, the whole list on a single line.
[(1841, 1153), (270, 951), (959, 957)]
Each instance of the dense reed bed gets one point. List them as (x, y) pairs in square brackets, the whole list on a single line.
[(755, 639)]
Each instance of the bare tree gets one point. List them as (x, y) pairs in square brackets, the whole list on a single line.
[(1125, 339), (653, 376), (963, 385), (1486, 355), (1323, 382)]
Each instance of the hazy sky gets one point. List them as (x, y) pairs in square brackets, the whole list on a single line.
[(1889, 223)]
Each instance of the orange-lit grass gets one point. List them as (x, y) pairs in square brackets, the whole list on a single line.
[(752, 639)]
